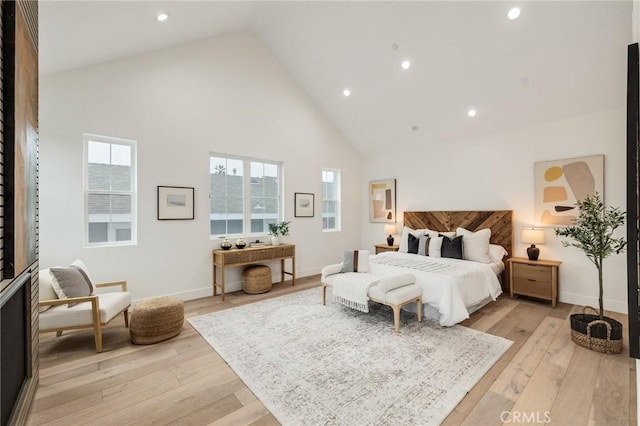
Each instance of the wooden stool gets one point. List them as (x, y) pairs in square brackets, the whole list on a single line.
[(155, 320), (256, 279)]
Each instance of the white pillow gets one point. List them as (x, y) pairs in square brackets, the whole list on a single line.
[(435, 246), (497, 253), (404, 240), (475, 245)]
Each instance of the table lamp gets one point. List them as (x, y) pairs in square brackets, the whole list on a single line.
[(533, 236), (390, 228)]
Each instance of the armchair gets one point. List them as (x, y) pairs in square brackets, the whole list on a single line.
[(93, 311)]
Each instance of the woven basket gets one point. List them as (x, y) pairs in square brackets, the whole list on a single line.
[(155, 320), (590, 332), (256, 279)]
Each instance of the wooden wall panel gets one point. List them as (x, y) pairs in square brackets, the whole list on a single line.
[(26, 144), (19, 171)]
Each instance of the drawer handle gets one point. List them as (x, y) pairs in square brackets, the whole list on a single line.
[(531, 279)]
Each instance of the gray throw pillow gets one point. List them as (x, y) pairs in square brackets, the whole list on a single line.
[(70, 281), (355, 261)]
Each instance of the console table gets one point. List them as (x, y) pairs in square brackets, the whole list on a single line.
[(251, 256)]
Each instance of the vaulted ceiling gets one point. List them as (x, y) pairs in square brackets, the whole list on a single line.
[(557, 60)]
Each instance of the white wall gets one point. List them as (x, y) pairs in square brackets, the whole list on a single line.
[(496, 173), (227, 95)]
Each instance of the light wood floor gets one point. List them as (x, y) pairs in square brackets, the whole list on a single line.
[(183, 381)]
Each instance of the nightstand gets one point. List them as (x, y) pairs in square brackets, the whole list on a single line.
[(535, 278), (386, 247)]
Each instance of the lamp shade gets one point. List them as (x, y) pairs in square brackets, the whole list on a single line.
[(390, 229), (533, 236)]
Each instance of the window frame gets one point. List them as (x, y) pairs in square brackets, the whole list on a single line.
[(246, 186), (338, 200), (86, 138)]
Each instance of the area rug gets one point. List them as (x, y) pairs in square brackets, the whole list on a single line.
[(311, 364)]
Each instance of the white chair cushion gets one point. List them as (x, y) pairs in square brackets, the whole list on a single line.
[(60, 316)]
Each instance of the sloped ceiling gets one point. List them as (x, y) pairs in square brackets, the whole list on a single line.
[(557, 60)]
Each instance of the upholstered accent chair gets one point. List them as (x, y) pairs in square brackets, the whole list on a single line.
[(88, 311)]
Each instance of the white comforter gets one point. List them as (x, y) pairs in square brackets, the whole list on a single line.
[(449, 285)]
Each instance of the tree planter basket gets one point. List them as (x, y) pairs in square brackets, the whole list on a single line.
[(590, 332)]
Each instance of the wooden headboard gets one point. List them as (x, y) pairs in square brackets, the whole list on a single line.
[(499, 221)]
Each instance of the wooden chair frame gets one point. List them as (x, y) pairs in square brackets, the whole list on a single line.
[(95, 309)]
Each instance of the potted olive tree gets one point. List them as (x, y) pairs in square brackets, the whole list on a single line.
[(593, 234), (278, 229)]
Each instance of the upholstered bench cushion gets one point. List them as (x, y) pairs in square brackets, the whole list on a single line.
[(402, 295), (62, 316), (396, 281)]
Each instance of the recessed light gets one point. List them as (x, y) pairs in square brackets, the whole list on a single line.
[(346, 92), (405, 65), (472, 113), (513, 13), (162, 17)]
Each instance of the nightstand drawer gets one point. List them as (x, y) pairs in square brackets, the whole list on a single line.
[(532, 272), (531, 287), (535, 278)]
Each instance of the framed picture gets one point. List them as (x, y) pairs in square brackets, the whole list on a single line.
[(559, 184), (382, 201), (303, 204), (175, 203)]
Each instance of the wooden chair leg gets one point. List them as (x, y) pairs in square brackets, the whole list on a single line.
[(126, 317), (324, 294), (97, 336), (58, 333), (419, 303), (97, 326), (396, 317)]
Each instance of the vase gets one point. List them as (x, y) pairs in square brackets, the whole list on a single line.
[(226, 244), (275, 240), (241, 243)]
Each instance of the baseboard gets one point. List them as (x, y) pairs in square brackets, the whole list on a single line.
[(582, 300), (230, 286)]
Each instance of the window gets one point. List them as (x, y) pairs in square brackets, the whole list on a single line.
[(245, 195), (110, 191), (330, 200)]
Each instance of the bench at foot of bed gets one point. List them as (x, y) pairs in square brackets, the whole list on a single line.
[(396, 295)]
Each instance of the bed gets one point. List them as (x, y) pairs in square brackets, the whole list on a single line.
[(452, 289)]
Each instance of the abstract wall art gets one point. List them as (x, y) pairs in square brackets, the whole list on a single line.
[(559, 184), (382, 201)]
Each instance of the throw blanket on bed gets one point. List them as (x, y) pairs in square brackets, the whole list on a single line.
[(352, 289), (422, 264)]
